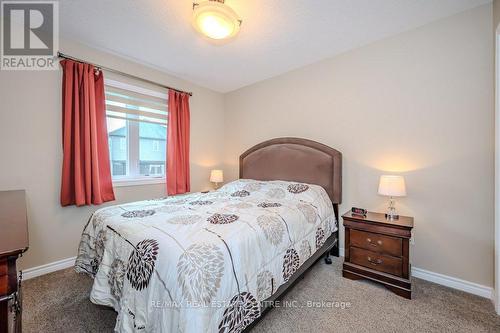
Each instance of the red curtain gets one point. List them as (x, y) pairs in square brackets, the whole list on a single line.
[(86, 176), (178, 180)]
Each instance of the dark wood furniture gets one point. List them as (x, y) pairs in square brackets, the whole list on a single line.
[(13, 242), (378, 249)]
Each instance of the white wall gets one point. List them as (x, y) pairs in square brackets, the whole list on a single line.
[(31, 152), (419, 104)]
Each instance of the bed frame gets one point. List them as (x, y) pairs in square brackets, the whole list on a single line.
[(300, 160)]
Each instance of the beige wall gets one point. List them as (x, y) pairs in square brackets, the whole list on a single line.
[(496, 23), (496, 13), (31, 154), (419, 104)]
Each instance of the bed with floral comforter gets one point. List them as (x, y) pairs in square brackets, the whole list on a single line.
[(202, 262)]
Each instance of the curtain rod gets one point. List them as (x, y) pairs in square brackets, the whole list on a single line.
[(65, 56)]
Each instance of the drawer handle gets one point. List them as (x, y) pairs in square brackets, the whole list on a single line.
[(374, 262), (369, 240)]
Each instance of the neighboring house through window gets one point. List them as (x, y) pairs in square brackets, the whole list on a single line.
[(156, 145), (137, 130), (123, 143)]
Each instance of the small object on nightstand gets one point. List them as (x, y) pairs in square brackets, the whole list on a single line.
[(378, 249), (216, 176), (392, 186), (359, 211)]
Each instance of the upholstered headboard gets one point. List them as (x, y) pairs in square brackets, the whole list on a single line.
[(295, 159)]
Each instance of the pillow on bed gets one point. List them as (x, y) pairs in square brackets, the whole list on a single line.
[(274, 189)]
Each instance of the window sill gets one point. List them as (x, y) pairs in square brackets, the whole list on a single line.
[(138, 181)]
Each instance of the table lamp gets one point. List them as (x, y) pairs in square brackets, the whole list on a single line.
[(216, 176), (392, 186)]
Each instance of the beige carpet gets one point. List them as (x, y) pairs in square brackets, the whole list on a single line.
[(59, 302)]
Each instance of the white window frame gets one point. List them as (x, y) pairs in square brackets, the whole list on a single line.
[(133, 147)]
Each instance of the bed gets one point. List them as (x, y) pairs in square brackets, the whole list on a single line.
[(217, 261)]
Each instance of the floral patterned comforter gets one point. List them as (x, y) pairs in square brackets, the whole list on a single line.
[(202, 262)]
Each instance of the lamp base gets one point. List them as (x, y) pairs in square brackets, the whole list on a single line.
[(391, 211)]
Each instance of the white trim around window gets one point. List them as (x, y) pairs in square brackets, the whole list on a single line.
[(125, 181), (135, 105)]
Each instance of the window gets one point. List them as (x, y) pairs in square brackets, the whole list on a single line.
[(156, 145), (137, 132), (156, 169), (123, 144)]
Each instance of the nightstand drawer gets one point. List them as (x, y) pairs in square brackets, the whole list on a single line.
[(3, 268), (376, 261), (4, 285), (375, 242)]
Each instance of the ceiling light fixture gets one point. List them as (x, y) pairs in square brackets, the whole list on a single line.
[(215, 20)]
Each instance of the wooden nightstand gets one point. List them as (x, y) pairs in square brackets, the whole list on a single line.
[(379, 250)]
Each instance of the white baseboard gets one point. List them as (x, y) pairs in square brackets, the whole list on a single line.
[(496, 300), (452, 282), (448, 281), (48, 268)]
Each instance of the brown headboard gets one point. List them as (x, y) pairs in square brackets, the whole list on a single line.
[(295, 159)]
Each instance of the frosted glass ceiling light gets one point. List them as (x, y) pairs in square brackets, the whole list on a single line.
[(215, 20)]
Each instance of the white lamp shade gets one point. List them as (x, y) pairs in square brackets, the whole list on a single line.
[(216, 176), (392, 186)]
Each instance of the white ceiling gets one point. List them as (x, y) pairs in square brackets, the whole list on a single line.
[(276, 36)]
